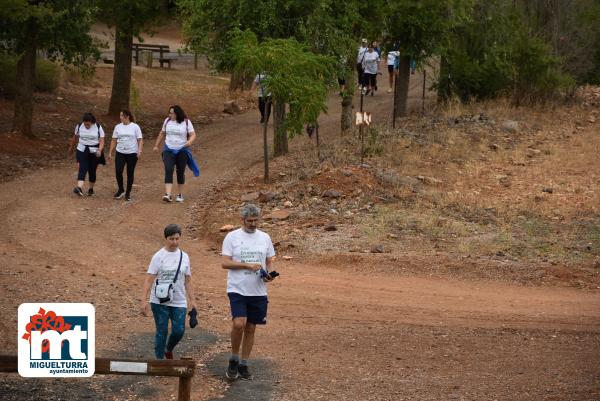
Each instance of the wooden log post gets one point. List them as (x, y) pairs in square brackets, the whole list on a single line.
[(182, 368), (137, 54)]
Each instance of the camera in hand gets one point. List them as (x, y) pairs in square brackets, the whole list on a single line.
[(268, 275)]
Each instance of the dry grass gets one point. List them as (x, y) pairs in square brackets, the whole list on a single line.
[(527, 195)]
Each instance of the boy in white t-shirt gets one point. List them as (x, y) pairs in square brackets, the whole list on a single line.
[(247, 254), (170, 265)]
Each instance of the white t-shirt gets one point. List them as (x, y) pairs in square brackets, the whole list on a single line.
[(391, 57), (247, 248), (164, 265), (258, 79), (88, 137), (371, 62), (127, 136), (361, 51), (177, 133)]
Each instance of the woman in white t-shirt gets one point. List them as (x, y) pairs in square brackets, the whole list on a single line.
[(170, 265), (178, 133), (89, 137), (127, 139), (370, 67)]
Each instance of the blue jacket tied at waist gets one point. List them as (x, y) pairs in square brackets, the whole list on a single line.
[(191, 163)]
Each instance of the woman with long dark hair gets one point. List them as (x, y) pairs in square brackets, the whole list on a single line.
[(127, 139), (178, 133), (89, 137)]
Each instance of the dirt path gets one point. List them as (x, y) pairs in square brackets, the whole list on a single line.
[(333, 334)]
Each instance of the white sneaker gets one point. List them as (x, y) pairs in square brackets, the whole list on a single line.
[(179, 198), (167, 198)]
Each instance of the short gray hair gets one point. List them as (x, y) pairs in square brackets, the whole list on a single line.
[(250, 210)]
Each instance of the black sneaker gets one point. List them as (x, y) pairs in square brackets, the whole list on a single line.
[(77, 191), (127, 197), (244, 372), (91, 192), (119, 194), (232, 370)]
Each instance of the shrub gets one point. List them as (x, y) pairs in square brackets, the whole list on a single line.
[(8, 69), (537, 77), (496, 54), (47, 76)]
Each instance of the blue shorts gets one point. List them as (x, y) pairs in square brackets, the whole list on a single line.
[(252, 307)]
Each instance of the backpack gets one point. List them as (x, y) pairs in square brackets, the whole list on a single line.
[(102, 159), (97, 125), (186, 125)]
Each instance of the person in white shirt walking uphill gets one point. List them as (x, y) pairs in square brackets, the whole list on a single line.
[(127, 138), (391, 66), (89, 137), (264, 99), (171, 293), (247, 254), (371, 67), (178, 132), (360, 57)]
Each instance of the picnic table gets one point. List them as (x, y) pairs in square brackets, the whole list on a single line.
[(161, 49)]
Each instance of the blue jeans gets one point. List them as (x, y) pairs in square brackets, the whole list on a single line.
[(162, 314)]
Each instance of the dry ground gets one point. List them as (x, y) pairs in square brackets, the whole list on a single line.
[(418, 323)]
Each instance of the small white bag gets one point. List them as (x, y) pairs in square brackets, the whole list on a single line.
[(164, 292)]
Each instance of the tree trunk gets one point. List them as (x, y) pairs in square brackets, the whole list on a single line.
[(443, 90), (401, 92), (280, 138), (121, 87), (265, 140), (347, 106), (348, 100), (240, 81), (22, 121)]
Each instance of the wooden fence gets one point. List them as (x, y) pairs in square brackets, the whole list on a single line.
[(182, 368)]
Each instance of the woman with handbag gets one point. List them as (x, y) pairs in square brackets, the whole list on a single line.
[(168, 286)]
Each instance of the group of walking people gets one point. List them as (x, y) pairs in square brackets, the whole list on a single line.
[(127, 144), (368, 60), (247, 255)]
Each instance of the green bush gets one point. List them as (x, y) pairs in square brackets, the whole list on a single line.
[(495, 55), (538, 77), (47, 76), (8, 71)]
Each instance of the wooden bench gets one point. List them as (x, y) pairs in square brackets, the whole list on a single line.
[(160, 49)]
